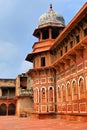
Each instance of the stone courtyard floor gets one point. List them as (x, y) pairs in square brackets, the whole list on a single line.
[(15, 123)]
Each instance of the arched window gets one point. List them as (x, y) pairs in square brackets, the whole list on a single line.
[(81, 85), (43, 94), (51, 94), (68, 89), (36, 95), (63, 92), (59, 92), (11, 109), (3, 109), (74, 87)]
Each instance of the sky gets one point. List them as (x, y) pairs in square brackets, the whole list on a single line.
[(18, 20)]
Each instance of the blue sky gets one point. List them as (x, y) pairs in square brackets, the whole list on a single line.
[(18, 19)]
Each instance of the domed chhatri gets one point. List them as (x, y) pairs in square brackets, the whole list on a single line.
[(51, 18)]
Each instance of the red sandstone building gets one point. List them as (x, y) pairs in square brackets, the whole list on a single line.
[(7, 97), (59, 70), (59, 74), (16, 96)]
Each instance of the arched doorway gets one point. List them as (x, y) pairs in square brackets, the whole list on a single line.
[(11, 109), (3, 109)]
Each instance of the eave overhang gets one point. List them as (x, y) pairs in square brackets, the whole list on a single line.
[(48, 25), (77, 18), (39, 69), (31, 56), (71, 54)]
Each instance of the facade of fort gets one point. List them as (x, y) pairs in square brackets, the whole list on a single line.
[(56, 86)]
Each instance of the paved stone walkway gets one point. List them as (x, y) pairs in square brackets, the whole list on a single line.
[(15, 123)]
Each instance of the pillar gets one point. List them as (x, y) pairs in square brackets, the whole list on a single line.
[(40, 35), (0, 91), (50, 33)]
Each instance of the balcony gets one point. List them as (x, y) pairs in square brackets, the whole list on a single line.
[(6, 97), (26, 92), (71, 54)]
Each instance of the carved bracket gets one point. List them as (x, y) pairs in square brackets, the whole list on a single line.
[(84, 45), (72, 57), (66, 61), (79, 52)]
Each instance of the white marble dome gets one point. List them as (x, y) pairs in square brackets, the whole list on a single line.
[(51, 18)]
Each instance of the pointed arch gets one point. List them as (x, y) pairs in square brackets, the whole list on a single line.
[(74, 87), (3, 109), (63, 92), (81, 84), (36, 95), (11, 109), (80, 77), (58, 92), (68, 88), (51, 94), (43, 94)]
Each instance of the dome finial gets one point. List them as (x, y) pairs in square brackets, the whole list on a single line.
[(51, 18), (50, 7)]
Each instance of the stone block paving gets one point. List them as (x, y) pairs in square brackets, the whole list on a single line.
[(15, 123)]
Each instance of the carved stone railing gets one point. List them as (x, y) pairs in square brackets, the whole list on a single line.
[(26, 92), (7, 97)]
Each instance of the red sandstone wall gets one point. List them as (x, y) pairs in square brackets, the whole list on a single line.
[(24, 106)]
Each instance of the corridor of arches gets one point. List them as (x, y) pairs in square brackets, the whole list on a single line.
[(7, 109)]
